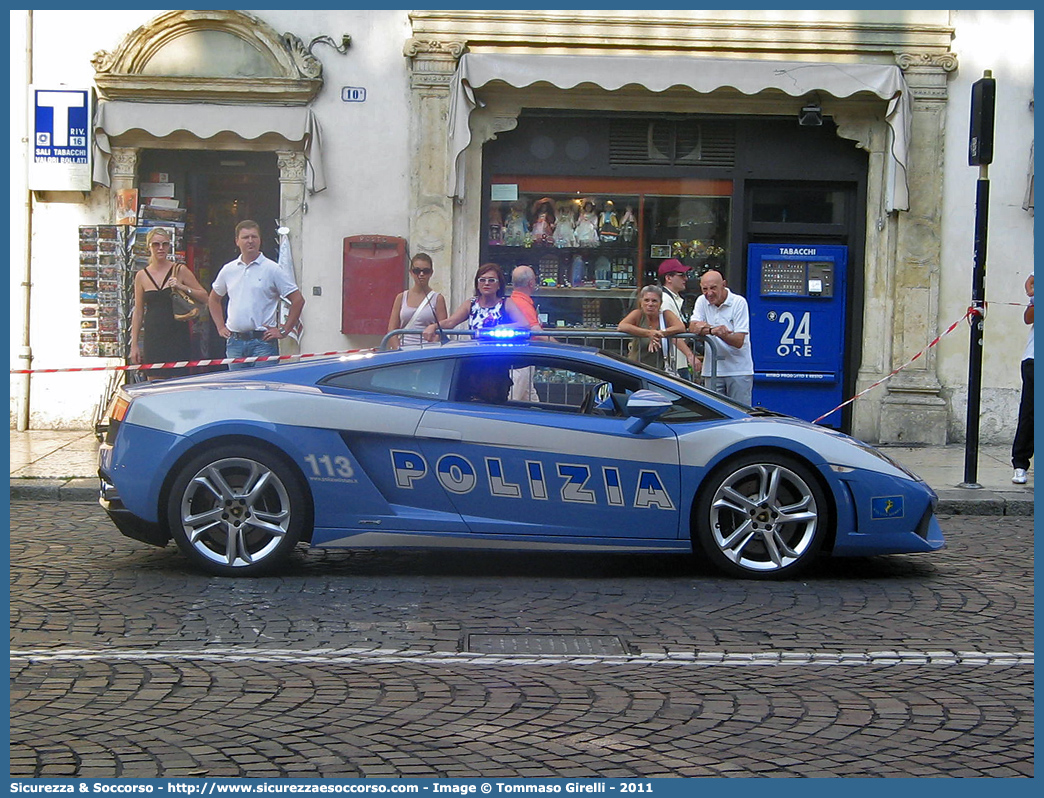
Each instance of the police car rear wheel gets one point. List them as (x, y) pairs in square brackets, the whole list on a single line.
[(236, 510), (762, 516)]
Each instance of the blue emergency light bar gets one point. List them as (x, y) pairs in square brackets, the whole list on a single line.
[(502, 334)]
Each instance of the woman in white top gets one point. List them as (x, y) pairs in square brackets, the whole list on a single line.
[(418, 307)]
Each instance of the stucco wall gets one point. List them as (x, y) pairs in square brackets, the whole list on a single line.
[(365, 156), (63, 44), (1001, 41), (365, 153)]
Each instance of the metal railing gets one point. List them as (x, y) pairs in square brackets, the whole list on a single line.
[(605, 340)]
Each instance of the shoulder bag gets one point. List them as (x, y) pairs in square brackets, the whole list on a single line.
[(185, 307)]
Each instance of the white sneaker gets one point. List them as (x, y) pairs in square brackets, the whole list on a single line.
[(1020, 476)]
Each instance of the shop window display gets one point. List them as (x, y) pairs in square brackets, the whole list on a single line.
[(593, 251), (696, 230)]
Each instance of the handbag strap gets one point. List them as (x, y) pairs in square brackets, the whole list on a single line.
[(427, 300), (185, 292)]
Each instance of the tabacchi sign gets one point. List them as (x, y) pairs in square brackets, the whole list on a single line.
[(61, 139)]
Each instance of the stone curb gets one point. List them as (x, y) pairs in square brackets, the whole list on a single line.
[(962, 501), (956, 501), (82, 489)]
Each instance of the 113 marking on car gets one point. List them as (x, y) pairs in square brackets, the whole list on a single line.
[(337, 469)]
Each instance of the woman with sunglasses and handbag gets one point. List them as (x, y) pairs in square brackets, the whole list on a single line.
[(418, 307), (166, 338), (489, 307)]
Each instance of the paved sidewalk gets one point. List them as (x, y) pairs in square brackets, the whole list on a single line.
[(62, 464)]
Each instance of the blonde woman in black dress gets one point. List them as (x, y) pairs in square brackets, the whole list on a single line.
[(165, 338)]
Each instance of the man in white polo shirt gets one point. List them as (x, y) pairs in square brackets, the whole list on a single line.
[(723, 317), (254, 284)]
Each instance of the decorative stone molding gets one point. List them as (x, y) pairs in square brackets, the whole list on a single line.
[(860, 130), (292, 199), (415, 47), (292, 165), (914, 409), (124, 163), (307, 64), (831, 32), (486, 126), (293, 76), (429, 228), (924, 238), (913, 416), (432, 62), (947, 62), (292, 208), (430, 75), (926, 74)]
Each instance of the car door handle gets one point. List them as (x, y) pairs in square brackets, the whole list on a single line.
[(442, 434)]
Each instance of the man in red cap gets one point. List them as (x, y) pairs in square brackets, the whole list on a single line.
[(672, 275)]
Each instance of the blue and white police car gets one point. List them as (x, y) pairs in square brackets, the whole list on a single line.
[(480, 445)]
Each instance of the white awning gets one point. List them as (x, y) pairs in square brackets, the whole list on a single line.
[(703, 75), (294, 123)]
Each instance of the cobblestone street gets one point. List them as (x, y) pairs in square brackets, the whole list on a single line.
[(127, 663)]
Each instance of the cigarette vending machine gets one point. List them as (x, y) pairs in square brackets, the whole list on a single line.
[(796, 295)]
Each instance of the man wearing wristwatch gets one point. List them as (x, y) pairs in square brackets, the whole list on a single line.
[(254, 285), (722, 316)]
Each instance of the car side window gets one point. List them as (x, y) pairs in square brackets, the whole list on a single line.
[(543, 384), (429, 379), (562, 386)]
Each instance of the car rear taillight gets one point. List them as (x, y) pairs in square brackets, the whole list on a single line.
[(118, 408), (114, 415)]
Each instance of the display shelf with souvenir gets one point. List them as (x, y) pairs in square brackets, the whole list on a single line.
[(587, 273), (695, 230), (592, 246), (105, 278)]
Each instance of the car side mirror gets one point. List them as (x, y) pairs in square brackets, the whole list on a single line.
[(643, 408)]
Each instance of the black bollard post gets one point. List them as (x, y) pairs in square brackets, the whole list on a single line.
[(980, 153)]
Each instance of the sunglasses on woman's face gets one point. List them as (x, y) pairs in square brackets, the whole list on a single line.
[(160, 244), (489, 279), (419, 272)]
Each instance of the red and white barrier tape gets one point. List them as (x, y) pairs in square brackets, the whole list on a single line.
[(187, 363), (972, 311), (1009, 304)]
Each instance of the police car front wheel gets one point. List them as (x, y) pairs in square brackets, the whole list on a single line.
[(761, 516)]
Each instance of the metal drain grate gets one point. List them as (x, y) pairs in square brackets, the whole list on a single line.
[(545, 644)]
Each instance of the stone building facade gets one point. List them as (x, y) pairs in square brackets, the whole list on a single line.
[(442, 88)]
